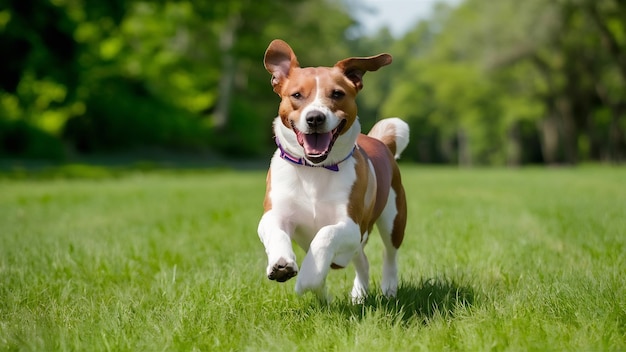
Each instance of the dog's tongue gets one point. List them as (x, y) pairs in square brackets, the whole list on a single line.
[(317, 143)]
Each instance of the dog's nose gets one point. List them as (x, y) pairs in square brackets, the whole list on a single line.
[(315, 118)]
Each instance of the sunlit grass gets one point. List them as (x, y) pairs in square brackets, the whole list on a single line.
[(493, 259)]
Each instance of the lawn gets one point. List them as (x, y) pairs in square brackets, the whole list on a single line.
[(493, 259)]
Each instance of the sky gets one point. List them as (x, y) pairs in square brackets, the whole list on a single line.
[(398, 15)]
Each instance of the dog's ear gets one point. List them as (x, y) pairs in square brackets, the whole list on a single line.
[(355, 67), (279, 61)]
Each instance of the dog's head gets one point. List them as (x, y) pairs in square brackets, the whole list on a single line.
[(318, 103)]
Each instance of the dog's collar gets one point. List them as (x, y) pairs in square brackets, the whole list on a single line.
[(302, 161)]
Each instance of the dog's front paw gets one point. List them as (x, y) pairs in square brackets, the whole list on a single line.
[(282, 270)]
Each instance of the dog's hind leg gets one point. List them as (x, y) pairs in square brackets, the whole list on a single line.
[(391, 226), (390, 271), (361, 281)]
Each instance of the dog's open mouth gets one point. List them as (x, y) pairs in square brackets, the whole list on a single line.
[(317, 146)]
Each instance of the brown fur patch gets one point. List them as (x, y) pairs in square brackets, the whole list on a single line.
[(382, 160), (304, 81), (399, 223), (356, 205), (374, 151), (387, 176)]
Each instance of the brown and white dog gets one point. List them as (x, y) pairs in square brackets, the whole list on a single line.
[(328, 184)]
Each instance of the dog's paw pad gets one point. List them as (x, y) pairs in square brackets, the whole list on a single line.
[(283, 271)]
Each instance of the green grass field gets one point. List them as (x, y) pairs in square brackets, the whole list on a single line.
[(493, 259)]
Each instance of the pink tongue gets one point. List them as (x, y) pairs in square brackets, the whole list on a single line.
[(317, 143)]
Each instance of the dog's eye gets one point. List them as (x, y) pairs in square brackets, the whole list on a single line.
[(337, 94), (297, 95)]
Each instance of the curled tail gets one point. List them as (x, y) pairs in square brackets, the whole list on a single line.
[(393, 132)]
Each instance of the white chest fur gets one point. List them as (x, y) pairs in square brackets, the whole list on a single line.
[(309, 198)]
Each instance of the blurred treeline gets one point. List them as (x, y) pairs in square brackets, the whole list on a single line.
[(487, 82)]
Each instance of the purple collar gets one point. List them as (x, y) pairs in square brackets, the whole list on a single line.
[(302, 161)]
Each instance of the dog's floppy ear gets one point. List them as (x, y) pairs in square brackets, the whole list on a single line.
[(279, 61), (355, 67)]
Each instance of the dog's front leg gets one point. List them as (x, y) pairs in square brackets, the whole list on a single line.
[(332, 244), (281, 260)]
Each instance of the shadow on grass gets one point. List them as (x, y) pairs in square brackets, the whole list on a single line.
[(417, 300)]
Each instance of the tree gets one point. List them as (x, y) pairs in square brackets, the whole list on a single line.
[(486, 71), (175, 74)]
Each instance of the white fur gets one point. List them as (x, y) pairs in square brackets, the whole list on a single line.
[(392, 126), (309, 206), (342, 147), (331, 121), (390, 266)]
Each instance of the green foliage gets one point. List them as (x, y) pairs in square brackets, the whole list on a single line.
[(247, 134), (170, 74), (481, 83), (22, 140), (170, 260), (122, 115), (474, 75)]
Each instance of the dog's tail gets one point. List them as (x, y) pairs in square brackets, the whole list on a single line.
[(393, 132)]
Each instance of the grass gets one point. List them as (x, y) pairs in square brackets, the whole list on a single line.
[(493, 259)]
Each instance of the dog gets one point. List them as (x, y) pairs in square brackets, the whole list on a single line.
[(328, 184)]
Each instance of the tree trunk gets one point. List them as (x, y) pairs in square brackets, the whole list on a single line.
[(568, 129), (227, 41), (465, 156), (549, 139), (616, 137), (514, 146)]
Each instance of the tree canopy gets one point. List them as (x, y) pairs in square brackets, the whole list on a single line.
[(507, 82), (516, 81)]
